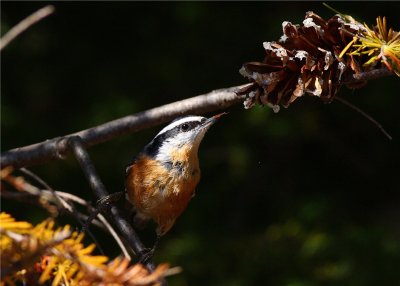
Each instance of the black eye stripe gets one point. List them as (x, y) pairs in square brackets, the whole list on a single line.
[(152, 148), (186, 126)]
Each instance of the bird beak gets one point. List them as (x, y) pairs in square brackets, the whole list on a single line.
[(213, 119)]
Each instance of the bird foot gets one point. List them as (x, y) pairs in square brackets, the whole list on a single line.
[(101, 205), (145, 255), (111, 198)]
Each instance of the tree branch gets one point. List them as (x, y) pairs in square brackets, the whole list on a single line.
[(372, 74), (25, 24), (101, 194), (57, 148)]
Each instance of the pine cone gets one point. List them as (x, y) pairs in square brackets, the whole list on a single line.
[(305, 60)]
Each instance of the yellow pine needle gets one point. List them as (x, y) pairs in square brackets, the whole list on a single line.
[(378, 44), (47, 271), (72, 270), (348, 18), (97, 260), (79, 238), (87, 250), (392, 56), (382, 28), (118, 266), (65, 260), (348, 47), (59, 275), (395, 38), (7, 222)]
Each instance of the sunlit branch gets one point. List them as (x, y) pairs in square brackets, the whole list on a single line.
[(57, 148)]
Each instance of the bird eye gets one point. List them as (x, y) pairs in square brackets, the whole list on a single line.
[(185, 127)]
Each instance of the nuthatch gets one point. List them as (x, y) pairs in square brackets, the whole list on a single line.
[(162, 179)]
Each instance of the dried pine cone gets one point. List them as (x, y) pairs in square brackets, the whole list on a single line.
[(304, 60)]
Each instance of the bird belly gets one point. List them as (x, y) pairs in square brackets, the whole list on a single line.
[(160, 193)]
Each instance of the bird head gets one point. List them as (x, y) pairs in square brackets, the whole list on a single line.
[(185, 132)]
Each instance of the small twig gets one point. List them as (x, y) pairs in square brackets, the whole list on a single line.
[(25, 24), (28, 198), (78, 217), (102, 203), (367, 116), (64, 197), (21, 185), (54, 197), (370, 75), (115, 235), (44, 185), (101, 218)]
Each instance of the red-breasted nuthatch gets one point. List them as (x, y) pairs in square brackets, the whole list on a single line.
[(162, 179)]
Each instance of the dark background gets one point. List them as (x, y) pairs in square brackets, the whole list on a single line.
[(308, 196)]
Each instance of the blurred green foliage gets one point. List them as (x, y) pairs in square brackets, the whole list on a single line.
[(308, 196)]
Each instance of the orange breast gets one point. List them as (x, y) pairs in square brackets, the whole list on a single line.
[(160, 193)]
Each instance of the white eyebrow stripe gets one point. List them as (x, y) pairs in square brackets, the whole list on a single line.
[(180, 121)]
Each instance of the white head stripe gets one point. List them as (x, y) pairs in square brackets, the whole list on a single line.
[(180, 121)]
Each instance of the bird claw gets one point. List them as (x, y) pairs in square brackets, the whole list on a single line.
[(145, 255), (111, 198), (101, 205)]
